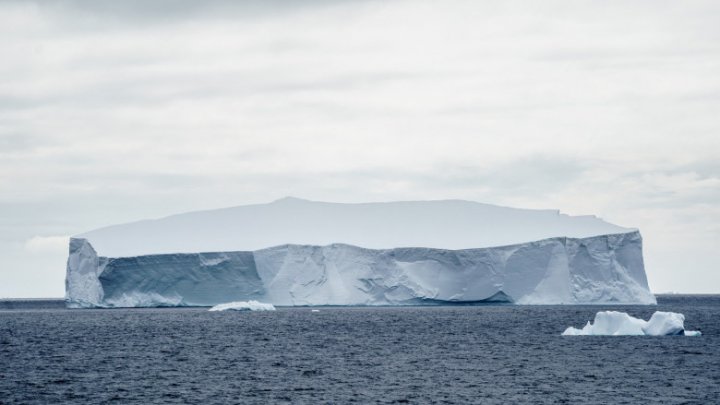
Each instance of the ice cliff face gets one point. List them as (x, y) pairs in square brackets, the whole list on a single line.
[(593, 270)]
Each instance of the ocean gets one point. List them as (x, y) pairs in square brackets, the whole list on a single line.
[(494, 354)]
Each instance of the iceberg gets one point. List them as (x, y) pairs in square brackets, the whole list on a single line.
[(243, 306), (295, 252), (613, 323)]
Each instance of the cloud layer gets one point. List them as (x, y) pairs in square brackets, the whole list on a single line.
[(116, 111)]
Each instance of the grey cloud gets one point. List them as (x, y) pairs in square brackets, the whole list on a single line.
[(14, 142), (195, 87), (113, 111), (121, 14), (705, 168), (633, 55), (18, 103), (533, 175), (709, 96)]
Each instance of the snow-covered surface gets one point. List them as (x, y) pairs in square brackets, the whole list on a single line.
[(596, 270), (448, 224), (613, 323), (251, 305)]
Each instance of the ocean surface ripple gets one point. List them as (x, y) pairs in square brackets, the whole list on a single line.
[(482, 354)]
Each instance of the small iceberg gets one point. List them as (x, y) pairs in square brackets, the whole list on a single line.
[(243, 306), (613, 323)]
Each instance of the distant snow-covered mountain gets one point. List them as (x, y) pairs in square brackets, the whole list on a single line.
[(447, 224)]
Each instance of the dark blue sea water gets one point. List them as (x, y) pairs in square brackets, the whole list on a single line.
[(483, 354)]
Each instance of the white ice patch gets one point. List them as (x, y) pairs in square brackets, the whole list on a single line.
[(613, 323), (243, 306)]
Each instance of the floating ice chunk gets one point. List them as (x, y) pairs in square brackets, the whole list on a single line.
[(610, 323), (665, 323), (613, 323), (243, 306)]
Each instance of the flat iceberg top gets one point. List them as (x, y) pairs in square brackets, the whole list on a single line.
[(447, 224)]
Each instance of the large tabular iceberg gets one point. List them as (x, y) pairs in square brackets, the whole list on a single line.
[(297, 252)]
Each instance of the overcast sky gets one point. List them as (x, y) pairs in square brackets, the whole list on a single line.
[(114, 111)]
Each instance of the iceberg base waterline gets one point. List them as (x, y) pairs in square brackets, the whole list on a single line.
[(606, 269)]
